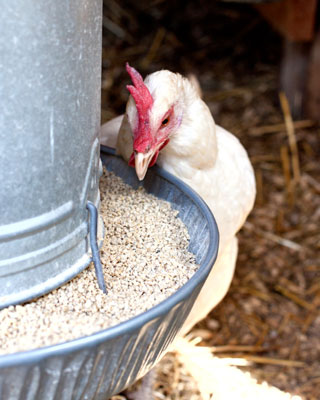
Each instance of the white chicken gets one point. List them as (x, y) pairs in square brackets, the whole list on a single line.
[(167, 122)]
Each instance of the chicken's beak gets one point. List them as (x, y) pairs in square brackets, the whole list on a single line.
[(142, 161)]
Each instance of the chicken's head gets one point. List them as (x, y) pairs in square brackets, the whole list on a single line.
[(152, 123)]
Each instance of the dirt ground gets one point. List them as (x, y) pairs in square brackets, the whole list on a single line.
[(270, 316)]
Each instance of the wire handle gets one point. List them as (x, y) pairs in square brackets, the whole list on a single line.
[(93, 216)]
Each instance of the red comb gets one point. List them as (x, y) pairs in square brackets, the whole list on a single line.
[(144, 101), (139, 91)]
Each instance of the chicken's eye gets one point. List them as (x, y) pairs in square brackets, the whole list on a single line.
[(165, 122)]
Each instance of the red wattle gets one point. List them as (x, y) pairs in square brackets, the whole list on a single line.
[(164, 144), (131, 162), (154, 159)]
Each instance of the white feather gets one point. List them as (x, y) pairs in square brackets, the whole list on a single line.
[(209, 159), (109, 132)]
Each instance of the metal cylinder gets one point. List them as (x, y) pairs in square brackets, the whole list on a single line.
[(50, 74)]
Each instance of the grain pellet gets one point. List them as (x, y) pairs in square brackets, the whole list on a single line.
[(145, 259)]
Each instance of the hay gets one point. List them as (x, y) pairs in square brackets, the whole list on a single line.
[(236, 56)]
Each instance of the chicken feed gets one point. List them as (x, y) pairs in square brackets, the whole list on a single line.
[(145, 259)]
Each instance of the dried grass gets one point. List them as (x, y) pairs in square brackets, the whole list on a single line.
[(273, 303)]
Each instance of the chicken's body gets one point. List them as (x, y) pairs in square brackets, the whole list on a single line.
[(205, 156)]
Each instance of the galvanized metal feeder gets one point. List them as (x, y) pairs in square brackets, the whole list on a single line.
[(49, 169), (50, 73), (102, 364)]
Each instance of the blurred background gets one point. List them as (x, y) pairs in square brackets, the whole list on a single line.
[(257, 63)]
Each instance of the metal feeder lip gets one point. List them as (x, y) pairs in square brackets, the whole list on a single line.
[(50, 87), (103, 364)]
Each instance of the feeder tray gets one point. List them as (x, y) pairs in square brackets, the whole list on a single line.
[(105, 363)]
